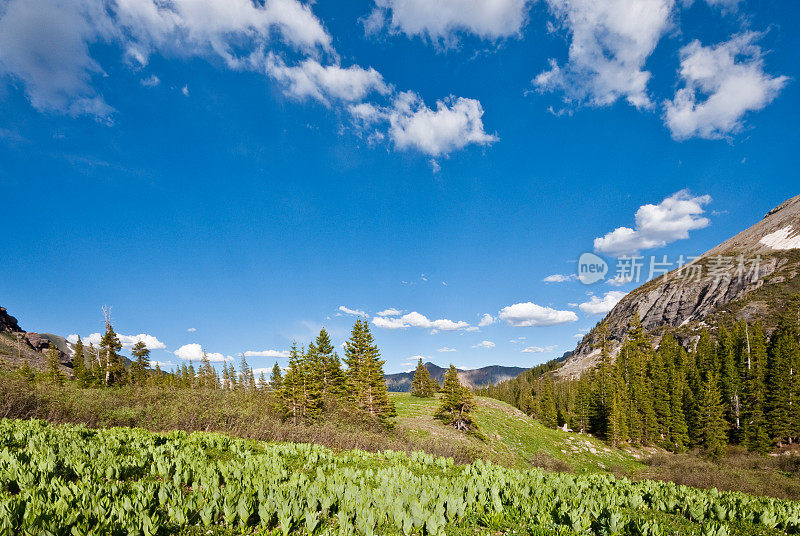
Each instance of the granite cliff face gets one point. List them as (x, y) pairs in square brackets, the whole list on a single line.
[(750, 276)]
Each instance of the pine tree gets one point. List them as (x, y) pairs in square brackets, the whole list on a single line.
[(79, 368), (713, 425), (312, 383), (547, 407), (781, 357), (354, 353), (756, 434), (329, 367), (110, 346), (456, 402), (292, 389), (54, 364), (276, 379), (375, 396), (422, 385), (141, 364)]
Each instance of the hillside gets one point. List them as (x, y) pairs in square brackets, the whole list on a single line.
[(490, 375), (769, 255), (512, 438)]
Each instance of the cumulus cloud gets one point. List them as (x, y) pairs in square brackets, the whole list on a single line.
[(412, 126), (312, 80), (194, 352), (442, 20), (446, 349), (722, 83), (353, 312), (45, 44), (529, 314), (538, 349), (486, 320), (190, 330), (267, 353), (391, 311), (127, 341), (597, 305), (485, 344), (657, 225), (417, 320), (559, 278), (611, 41)]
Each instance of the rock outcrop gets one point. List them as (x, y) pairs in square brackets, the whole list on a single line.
[(750, 276), (8, 324)]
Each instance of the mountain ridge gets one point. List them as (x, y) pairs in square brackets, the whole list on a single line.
[(490, 374), (764, 262)]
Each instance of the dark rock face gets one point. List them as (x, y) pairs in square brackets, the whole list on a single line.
[(8, 324), (676, 300)]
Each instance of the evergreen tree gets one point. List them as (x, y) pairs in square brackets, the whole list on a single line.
[(713, 426), (291, 393), (141, 363), (422, 385), (375, 395), (110, 346), (756, 433), (354, 353), (329, 367), (312, 383), (547, 414), (781, 358), (276, 379), (82, 372), (54, 364), (456, 402)]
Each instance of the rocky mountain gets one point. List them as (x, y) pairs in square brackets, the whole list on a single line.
[(492, 374), (8, 324), (751, 276)]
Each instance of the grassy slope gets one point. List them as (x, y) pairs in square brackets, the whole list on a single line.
[(514, 439)]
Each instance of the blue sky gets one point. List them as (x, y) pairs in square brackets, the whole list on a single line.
[(251, 171)]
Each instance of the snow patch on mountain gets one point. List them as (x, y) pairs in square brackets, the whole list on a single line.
[(786, 238)]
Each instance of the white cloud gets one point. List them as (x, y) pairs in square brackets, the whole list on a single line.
[(45, 44), (150, 81), (559, 278), (354, 312), (538, 349), (190, 330), (412, 125), (529, 314), (185, 91), (596, 305), (446, 349), (731, 77), (657, 225), (611, 41), (485, 344), (417, 320), (486, 320), (127, 341), (267, 353), (391, 311), (161, 364), (194, 352), (619, 280), (441, 20), (473, 328), (310, 79)]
